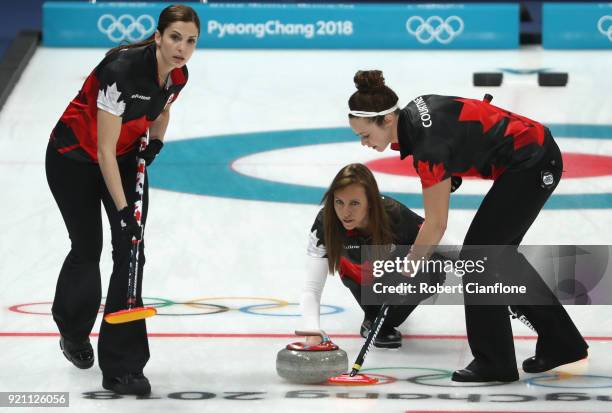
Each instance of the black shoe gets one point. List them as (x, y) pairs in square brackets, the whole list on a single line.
[(469, 376), (80, 354), (537, 364), (385, 338), (131, 383), (388, 339), (365, 328)]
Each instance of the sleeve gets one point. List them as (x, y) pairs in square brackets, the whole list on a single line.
[(113, 89), (432, 159), (410, 223), (310, 303), (185, 73), (179, 79), (316, 239), (431, 167), (405, 224)]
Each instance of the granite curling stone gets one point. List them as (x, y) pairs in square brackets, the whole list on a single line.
[(303, 364)]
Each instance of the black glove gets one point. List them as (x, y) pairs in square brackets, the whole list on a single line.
[(129, 225), (455, 182), (151, 151)]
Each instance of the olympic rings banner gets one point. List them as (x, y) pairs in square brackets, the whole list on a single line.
[(295, 26), (203, 306), (577, 26)]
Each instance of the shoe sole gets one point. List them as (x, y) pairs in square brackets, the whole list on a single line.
[(141, 390), (459, 379), (76, 363), (391, 344), (553, 365), (394, 344)]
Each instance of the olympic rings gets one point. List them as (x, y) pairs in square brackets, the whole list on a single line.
[(202, 306), (556, 378), (436, 28), (439, 374), (249, 310), (607, 19), (167, 303), (19, 308), (126, 27), (422, 379), (278, 302), (162, 302), (382, 379)]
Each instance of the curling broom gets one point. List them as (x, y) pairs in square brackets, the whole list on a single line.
[(133, 313)]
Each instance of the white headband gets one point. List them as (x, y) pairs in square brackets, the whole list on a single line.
[(363, 114)]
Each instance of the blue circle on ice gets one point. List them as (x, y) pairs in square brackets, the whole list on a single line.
[(203, 166)]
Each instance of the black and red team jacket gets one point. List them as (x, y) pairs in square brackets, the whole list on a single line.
[(125, 84), (449, 135), (404, 224)]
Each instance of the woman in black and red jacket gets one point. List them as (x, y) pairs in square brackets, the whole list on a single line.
[(356, 216), (453, 137), (91, 159)]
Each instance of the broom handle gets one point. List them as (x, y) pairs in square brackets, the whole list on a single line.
[(135, 252), (380, 318)]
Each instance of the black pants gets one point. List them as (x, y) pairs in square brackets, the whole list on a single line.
[(506, 213), (79, 190), (396, 314)]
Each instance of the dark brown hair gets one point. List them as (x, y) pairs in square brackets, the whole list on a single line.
[(372, 94), (171, 14), (378, 221)]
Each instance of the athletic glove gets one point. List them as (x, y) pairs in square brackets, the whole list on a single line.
[(455, 182), (129, 225), (151, 151)]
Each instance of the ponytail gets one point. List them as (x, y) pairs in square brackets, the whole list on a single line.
[(146, 42)]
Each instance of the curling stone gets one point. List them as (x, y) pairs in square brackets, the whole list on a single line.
[(552, 79), (487, 78), (300, 363)]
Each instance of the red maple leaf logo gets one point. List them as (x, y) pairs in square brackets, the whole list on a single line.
[(522, 129), (430, 173), (474, 111)]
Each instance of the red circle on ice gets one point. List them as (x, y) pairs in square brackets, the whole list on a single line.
[(575, 165)]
